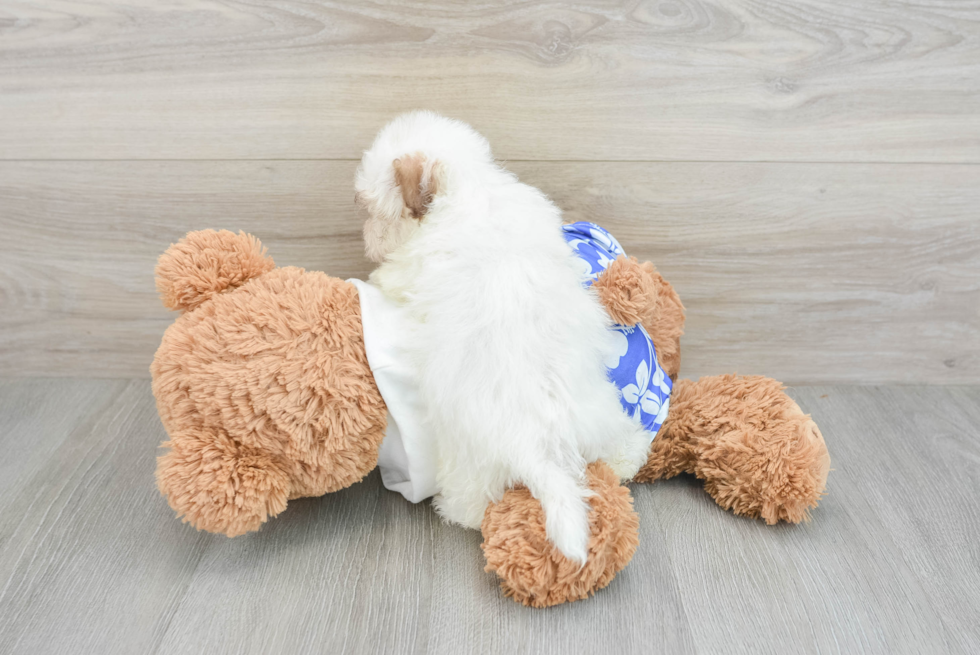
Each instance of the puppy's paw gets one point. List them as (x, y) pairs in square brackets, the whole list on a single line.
[(632, 453)]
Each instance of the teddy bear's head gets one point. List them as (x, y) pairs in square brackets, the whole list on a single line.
[(262, 384)]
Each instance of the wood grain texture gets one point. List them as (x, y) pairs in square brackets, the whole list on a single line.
[(85, 564), (92, 560), (804, 272), (885, 565), (720, 80)]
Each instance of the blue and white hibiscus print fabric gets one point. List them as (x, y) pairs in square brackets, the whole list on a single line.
[(644, 388)]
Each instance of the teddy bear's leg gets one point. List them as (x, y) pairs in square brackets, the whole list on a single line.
[(219, 485), (532, 571), (757, 452)]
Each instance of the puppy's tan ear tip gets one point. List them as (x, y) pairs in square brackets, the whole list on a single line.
[(413, 175)]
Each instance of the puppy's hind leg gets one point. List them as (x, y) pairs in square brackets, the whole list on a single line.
[(628, 450), (608, 434)]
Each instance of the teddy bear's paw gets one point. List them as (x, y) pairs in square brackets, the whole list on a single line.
[(627, 291), (778, 474), (803, 479), (532, 570), (219, 485)]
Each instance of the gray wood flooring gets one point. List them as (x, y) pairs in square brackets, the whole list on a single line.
[(92, 560)]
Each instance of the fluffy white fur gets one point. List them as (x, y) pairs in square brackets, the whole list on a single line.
[(510, 345)]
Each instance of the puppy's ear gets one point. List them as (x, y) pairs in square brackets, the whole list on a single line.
[(419, 179)]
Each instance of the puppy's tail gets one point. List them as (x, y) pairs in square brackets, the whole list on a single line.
[(566, 509)]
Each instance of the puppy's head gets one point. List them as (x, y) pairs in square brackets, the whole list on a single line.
[(416, 161)]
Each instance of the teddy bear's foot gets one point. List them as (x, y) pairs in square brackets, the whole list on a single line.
[(532, 571), (757, 452), (219, 485)]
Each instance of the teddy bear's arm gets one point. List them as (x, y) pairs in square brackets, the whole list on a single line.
[(635, 292)]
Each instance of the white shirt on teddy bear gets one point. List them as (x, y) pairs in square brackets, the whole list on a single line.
[(407, 456)]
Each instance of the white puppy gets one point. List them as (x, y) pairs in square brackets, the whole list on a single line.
[(509, 344)]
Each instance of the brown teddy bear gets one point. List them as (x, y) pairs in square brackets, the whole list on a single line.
[(264, 387)]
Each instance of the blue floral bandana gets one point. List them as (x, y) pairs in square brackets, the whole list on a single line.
[(644, 388)]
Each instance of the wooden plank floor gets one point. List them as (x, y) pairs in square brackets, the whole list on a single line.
[(92, 560)]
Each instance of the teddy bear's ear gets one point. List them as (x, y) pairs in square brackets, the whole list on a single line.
[(206, 263), (420, 180)]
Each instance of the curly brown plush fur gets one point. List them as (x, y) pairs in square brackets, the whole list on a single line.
[(757, 452), (532, 570), (636, 293), (263, 384), (205, 263)]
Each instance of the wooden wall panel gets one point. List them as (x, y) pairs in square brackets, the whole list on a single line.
[(719, 80), (807, 272)]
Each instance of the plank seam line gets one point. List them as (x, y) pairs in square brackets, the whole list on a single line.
[(532, 161)]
